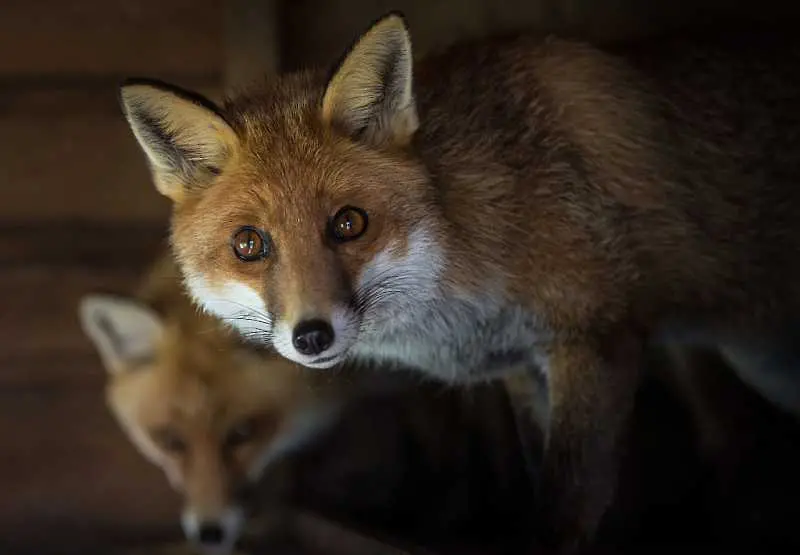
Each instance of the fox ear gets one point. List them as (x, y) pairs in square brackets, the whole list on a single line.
[(122, 330), (370, 95), (186, 140)]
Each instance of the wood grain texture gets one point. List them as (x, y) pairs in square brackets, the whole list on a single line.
[(328, 27), (70, 479), (96, 37), (253, 33), (80, 215), (44, 270), (82, 165)]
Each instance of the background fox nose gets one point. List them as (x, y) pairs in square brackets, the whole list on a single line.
[(211, 533), (312, 337)]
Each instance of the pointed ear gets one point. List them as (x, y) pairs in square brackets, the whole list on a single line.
[(122, 330), (186, 140), (370, 95)]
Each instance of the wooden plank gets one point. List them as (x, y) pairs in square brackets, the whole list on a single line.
[(317, 32), (43, 97), (73, 481), (44, 272), (83, 245), (95, 37), (79, 166), (252, 41), (67, 152)]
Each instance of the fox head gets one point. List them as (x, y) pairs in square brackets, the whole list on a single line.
[(301, 213), (201, 408)]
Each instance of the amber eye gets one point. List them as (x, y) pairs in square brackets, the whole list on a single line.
[(250, 244), (241, 434), (169, 441), (349, 223)]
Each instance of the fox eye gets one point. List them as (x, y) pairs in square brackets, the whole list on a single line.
[(250, 244), (347, 224), (240, 434), (169, 441)]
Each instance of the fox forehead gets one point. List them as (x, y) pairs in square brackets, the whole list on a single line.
[(288, 167), (285, 151)]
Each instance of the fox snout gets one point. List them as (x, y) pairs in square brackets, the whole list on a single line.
[(213, 534), (321, 340), (213, 515)]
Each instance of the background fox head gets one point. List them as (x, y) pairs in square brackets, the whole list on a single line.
[(301, 215), (212, 414)]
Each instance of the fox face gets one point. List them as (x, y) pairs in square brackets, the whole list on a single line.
[(201, 409), (301, 214)]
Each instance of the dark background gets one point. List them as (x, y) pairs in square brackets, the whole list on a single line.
[(78, 212)]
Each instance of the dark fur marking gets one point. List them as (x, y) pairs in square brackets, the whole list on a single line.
[(193, 97)]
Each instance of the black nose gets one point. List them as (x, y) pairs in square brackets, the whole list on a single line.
[(312, 337), (211, 534)]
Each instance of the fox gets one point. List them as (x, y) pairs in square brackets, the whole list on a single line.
[(164, 390), (245, 435), (527, 207)]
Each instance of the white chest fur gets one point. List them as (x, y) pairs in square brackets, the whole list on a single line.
[(456, 340), (411, 320)]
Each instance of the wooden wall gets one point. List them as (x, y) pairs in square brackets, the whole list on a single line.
[(316, 31), (78, 212)]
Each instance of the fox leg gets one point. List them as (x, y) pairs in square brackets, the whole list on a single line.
[(592, 384), (528, 399)]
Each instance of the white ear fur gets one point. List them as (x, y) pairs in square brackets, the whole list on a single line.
[(186, 140), (121, 329), (370, 96)]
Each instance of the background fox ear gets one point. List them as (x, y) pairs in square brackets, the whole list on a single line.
[(122, 330), (370, 95), (186, 140)]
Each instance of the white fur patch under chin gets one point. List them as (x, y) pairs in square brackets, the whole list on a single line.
[(234, 303), (393, 284)]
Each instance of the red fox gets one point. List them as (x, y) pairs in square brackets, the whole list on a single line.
[(516, 204), (244, 433), (203, 409)]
